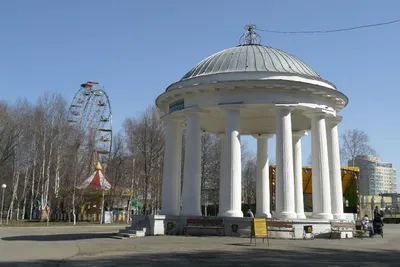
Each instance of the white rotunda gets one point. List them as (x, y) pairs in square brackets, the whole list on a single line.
[(255, 90)]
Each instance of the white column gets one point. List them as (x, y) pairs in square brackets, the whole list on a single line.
[(316, 193), (298, 174), (191, 193), (222, 178), (262, 182), (171, 185), (320, 168), (284, 165), (179, 199), (335, 173), (232, 166)]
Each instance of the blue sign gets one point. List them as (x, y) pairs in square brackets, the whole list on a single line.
[(177, 105), (384, 164)]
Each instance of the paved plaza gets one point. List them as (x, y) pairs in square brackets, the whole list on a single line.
[(94, 246)]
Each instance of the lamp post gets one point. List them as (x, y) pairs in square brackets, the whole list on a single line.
[(3, 186)]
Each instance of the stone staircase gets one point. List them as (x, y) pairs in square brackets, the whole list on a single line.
[(129, 232)]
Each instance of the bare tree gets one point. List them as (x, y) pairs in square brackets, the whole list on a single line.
[(117, 169), (355, 143), (7, 136), (54, 108), (133, 176), (36, 153), (145, 140), (19, 113), (309, 160), (210, 158), (249, 174)]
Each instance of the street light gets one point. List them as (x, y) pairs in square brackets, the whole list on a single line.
[(3, 186)]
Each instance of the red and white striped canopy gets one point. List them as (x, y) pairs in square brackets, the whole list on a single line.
[(97, 181)]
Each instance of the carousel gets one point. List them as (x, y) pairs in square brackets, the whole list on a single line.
[(97, 183)]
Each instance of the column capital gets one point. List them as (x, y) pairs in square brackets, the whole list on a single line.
[(232, 105), (298, 134), (317, 113), (262, 136), (172, 117), (285, 107), (194, 110), (221, 135), (333, 120), (191, 113)]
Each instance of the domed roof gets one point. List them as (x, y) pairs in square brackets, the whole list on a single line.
[(250, 58)]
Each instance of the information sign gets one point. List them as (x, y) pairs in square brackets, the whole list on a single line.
[(260, 227), (259, 230)]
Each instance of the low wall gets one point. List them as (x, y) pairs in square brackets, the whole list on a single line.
[(173, 225)]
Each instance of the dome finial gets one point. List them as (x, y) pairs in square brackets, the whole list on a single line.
[(250, 37), (98, 167)]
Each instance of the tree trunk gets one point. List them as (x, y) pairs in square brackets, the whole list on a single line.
[(24, 193), (128, 217), (33, 186), (146, 173), (57, 179), (102, 208), (73, 206), (74, 191), (47, 184), (43, 174), (17, 214), (15, 190)]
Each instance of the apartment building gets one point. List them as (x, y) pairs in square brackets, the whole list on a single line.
[(376, 177)]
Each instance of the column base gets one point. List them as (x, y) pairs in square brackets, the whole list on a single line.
[(286, 215), (323, 216), (191, 213), (301, 216), (231, 213), (263, 215), (339, 216), (168, 213)]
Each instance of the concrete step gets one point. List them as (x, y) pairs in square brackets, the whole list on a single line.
[(130, 233), (117, 236), (126, 235)]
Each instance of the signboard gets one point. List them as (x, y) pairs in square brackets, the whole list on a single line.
[(259, 227), (384, 164), (308, 229), (177, 105), (259, 230)]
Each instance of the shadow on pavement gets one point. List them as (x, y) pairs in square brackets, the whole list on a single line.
[(59, 237), (247, 257)]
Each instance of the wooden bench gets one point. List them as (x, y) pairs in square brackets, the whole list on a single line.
[(280, 226), (205, 223), (360, 231)]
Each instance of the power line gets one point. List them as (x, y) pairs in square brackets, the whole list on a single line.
[(334, 30)]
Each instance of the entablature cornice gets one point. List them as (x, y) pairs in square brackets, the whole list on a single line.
[(339, 99)]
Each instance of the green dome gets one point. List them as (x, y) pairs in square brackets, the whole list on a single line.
[(250, 58)]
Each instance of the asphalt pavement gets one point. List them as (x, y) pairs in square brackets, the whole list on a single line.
[(96, 246)]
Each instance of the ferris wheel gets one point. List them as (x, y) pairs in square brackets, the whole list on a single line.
[(91, 115)]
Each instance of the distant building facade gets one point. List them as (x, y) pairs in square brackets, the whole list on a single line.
[(376, 177)]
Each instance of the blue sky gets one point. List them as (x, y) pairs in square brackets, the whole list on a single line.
[(135, 49)]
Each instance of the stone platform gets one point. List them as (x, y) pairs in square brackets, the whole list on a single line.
[(287, 229)]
